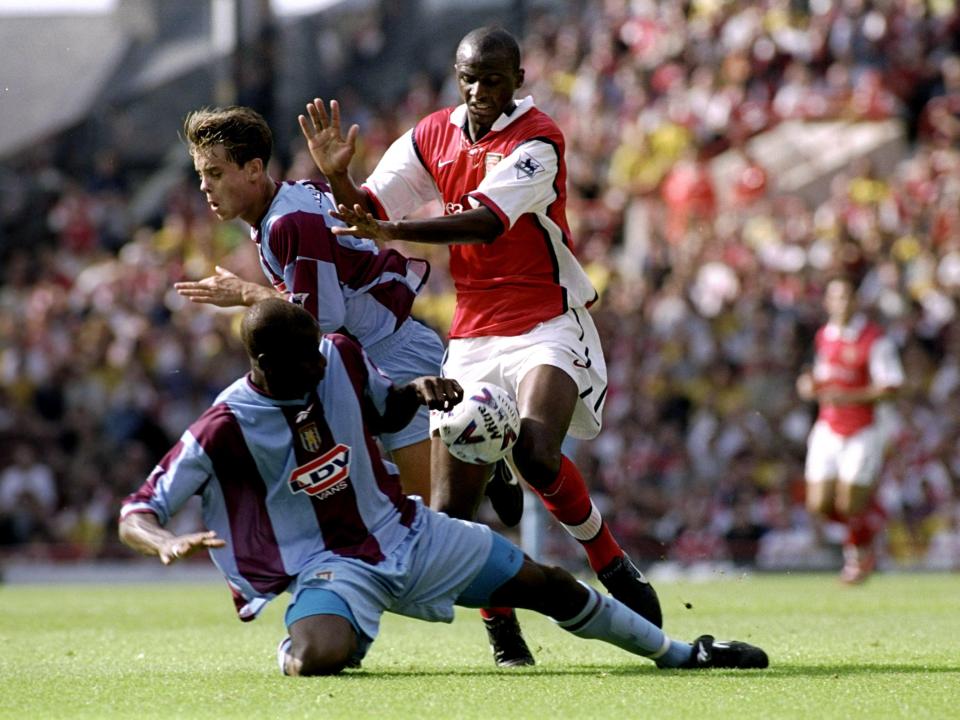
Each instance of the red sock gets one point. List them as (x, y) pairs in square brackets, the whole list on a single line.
[(568, 500), (864, 526), (490, 613), (835, 515)]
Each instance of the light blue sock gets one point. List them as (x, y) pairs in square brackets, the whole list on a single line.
[(605, 618)]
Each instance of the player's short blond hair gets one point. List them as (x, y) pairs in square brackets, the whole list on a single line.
[(242, 132)]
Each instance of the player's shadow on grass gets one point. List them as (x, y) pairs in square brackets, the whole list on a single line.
[(783, 671), (839, 671)]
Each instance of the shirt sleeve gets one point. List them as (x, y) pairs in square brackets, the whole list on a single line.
[(522, 182), (182, 473), (304, 247), (400, 184), (886, 370)]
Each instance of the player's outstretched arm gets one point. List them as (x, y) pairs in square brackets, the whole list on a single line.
[(467, 228), (331, 151), (224, 289), (143, 533)]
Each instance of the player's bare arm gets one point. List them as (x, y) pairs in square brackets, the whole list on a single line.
[(467, 228), (224, 289), (855, 396), (143, 533), (331, 151)]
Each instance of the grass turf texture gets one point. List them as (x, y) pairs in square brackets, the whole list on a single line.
[(890, 648)]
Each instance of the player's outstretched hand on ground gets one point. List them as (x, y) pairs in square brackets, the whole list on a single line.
[(183, 546), (330, 150)]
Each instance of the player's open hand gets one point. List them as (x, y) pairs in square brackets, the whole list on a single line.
[(330, 150), (359, 223), (437, 393), (183, 546), (223, 289)]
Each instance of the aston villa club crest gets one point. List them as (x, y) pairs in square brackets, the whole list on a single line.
[(490, 161), (310, 437)]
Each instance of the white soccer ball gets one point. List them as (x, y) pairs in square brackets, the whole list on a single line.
[(483, 427)]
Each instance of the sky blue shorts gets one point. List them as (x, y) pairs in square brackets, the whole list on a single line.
[(444, 562), (413, 351)]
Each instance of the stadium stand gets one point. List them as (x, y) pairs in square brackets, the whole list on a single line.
[(723, 157)]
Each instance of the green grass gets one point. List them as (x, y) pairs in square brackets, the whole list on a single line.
[(888, 649)]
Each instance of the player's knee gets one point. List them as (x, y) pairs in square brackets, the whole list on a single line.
[(816, 501), (537, 456), (311, 659)]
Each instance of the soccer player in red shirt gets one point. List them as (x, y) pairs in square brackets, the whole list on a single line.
[(855, 368), (521, 320)]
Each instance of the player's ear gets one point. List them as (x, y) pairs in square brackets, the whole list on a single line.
[(253, 168), (520, 76), (262, 362)]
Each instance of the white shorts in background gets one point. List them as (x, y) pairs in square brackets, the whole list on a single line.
[(569, 342), (850, 459)]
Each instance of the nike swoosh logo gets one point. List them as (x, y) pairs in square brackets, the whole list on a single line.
[(444, 163)]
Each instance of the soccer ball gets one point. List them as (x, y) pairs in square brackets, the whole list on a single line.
[(483, 427)]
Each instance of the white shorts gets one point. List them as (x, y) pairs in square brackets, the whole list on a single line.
[(850, 459), (569, 342)]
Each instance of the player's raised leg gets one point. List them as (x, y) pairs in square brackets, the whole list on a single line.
[(546, 398)]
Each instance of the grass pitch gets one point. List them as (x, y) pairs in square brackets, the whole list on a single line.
[(888, 649)]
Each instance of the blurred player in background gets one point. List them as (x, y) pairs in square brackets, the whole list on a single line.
[(521, 319), (855, 368), (296, 498)]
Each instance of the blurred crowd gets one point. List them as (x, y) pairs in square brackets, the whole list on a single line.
[(711, 289)]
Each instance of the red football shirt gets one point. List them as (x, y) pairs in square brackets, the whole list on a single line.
[(527, 275), (854, 357)]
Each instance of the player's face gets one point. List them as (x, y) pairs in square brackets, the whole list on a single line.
[(227, 186), (838, 301), (295, 369), (487, 84)]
